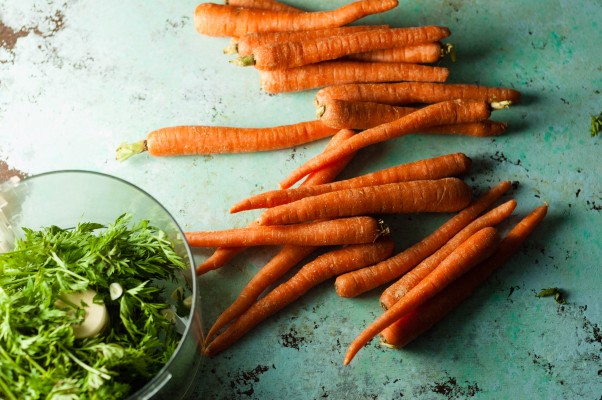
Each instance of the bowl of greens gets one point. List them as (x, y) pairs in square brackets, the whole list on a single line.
[(98, 295)]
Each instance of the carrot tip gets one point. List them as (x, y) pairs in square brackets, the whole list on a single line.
[(126, 150)]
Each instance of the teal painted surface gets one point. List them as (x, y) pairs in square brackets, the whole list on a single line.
[(82, 76)]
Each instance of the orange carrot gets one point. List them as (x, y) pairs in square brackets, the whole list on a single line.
[(442, 195), (188, 140), (416, 92), (421, 319), (365, 279), (322, 268), (408, 281), (447, 112), (444, 166), (424, 53), (343, 114), (223, 255), (332, 72), (292, 54), (223, 20), (245, 44), (321, 233), (478, 247), (262, 5)]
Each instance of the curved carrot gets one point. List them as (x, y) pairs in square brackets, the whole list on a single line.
[(397, 290), (365, 279), (478, 247), (421, 319), (322, 268), (222, 255), (447, 112), (321, 233), (189, 140), (292, 54), (442, 195), (444, 166), (263, 5), (416, 92), (223, 20), (332, 72), (424, 53)]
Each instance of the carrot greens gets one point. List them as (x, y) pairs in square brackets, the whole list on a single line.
[(40, 357)]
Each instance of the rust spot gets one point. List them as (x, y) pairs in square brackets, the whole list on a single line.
[(6, 172), (9, 37)]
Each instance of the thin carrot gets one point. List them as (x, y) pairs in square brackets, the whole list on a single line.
[(447, 112), (478, 247), (365, 279), (444, 166), (441, 195), (263, 5), (223, 20), (424, 53), (320, 233), (245, 44), (292, 54), (397, 290), (223, 255), (321, 269), (188, 140), (343, 114), (421, 319), (416, 92), (332, 72)]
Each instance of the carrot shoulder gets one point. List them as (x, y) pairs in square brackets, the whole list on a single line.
[(441, 195), (322, 268), (478, 247), (421, 319)]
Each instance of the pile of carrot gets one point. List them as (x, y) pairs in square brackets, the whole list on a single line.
[(376, 84)]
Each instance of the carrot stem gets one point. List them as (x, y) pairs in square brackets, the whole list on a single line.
[(127, 150)]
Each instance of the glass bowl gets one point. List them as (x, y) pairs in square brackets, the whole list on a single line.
[(64, 198)]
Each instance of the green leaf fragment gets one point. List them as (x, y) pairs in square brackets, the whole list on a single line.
[(596, 124), (555, 292)]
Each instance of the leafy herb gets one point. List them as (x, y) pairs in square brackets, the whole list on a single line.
[(557, 293), (596, 124), (39, 355)]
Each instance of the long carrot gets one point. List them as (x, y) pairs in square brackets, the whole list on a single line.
[(245, 44), (332, 72), (322, 268), (447, 112), (263, 5), (343, 114), (466, 256), (321, 233), (441, 195), (421, 319), (189, 140), (222, 255), (415, 92), (424, 53), (397, 290), (223, 20), (292, 54), (444, 166), (365, 279)]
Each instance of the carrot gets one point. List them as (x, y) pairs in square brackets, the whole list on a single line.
[(478, 247), (245, 44), (262, 5), (400, 288), (321, 269), (188, 140), (416, 92), (424, 53), (292, 54), (341, 114), (332, 72), (448, 112), (428, 169), (442, 195), (421, 319), (223, 255), (363, 280), (321, 233), (223, 20)]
